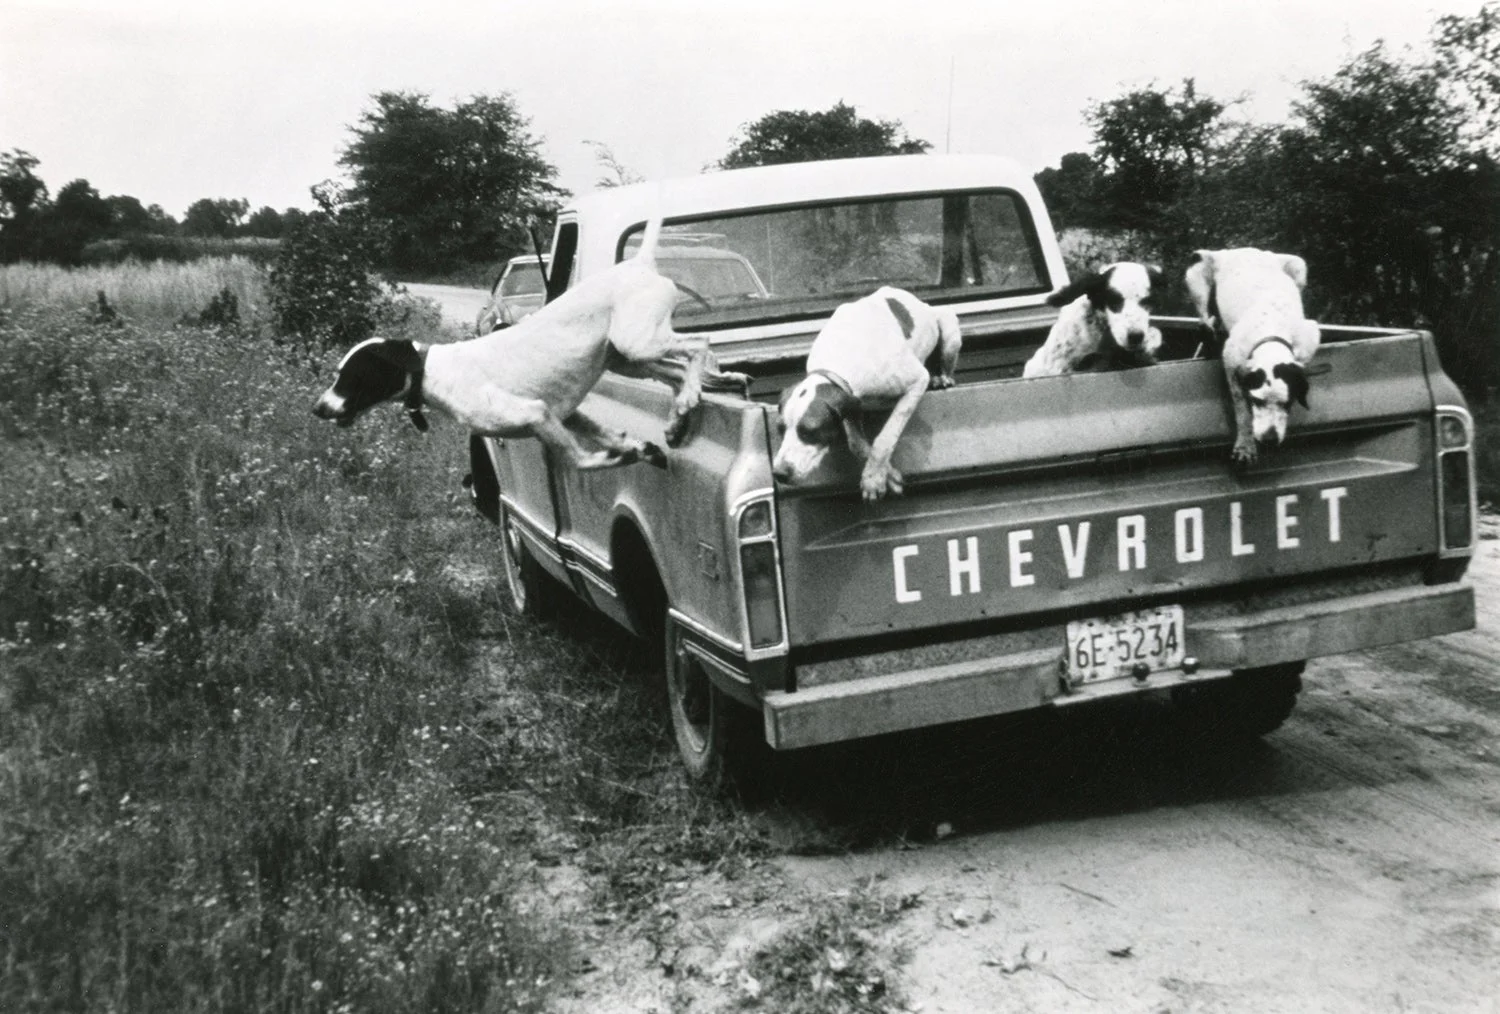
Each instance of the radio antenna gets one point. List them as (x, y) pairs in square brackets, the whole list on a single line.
[(948, 130)]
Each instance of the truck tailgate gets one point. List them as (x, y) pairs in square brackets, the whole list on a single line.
[(1026, 496)]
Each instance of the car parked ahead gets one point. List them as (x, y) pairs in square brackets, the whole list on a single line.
[(518, 292)]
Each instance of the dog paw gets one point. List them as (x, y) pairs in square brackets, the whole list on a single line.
[(1245, 452), (940, 381), (877, 480), (676, 428), (653, 455)]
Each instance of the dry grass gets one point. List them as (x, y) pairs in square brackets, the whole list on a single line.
[(159, 292)]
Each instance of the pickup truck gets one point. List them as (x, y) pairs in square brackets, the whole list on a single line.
[(1061, 540)]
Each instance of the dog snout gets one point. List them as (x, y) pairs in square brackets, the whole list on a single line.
[(1135, 338), (782, 470)]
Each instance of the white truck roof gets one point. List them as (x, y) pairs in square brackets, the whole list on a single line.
[(609, 213)]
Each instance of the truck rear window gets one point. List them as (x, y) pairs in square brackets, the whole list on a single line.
[(793, 262)]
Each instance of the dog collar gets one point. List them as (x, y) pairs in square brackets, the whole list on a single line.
[(413, 400), (1268, 341), (834, 379)]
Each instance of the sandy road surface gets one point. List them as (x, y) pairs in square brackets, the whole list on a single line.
[(1349, 862), (460, 305)]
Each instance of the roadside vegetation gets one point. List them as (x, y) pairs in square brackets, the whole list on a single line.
[(268, 737)]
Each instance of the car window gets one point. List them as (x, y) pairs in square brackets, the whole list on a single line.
[(810, 258), (523, 279)]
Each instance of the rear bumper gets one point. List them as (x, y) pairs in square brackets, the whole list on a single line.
[(1031, 679)]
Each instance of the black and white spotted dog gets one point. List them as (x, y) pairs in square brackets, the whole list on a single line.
[(872, 349), (1105, 323), (529, 379), (1256, 297)]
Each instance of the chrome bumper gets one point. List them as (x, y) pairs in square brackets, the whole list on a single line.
[(1031, 679)]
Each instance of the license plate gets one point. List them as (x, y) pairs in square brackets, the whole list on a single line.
[(1114, 646)]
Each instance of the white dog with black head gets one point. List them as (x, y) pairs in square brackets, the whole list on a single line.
[(1256, 297), (529, 379), (873, 349), (1105, 323)]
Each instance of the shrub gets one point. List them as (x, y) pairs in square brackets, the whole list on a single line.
[(323, 286)]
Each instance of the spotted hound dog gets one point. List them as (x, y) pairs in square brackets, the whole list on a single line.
[(872, 349), (1105, 323), (1256, 298), (529, 379)]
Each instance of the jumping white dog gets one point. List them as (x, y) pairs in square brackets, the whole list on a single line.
[(875, 348), (1105, 323), (528, 380), (1256, 296)]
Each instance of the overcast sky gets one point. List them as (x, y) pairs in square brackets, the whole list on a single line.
[(172, 101)]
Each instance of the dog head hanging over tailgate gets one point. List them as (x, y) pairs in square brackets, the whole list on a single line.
[(888, 346), (1256, 297)]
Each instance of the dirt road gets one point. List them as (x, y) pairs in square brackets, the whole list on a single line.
[(1118, 862), (1351, 862), (460, 305)]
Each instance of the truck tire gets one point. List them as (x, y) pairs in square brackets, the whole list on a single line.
[(1249, 704), (533, 592), (718, 738)]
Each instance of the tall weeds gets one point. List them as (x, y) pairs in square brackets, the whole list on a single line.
[(159, 292), (236, 766)]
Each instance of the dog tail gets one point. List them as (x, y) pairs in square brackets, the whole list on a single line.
[(652, 237)]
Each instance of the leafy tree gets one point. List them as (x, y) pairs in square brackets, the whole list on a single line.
[(1396, 212), (127, 216), (216, 216), (266, 223), (789, 135), (323, 285), (77, 217), (450, 186), (1468, 58), (1152, 145), (23, 200), (1072, 190)]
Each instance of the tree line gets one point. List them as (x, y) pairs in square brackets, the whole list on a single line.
[(34, 225), (1384, 178)]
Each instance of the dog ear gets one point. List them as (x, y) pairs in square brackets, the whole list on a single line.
[(399, 352), (1296, 381), (786, 396), (1295, 268), (1251, 379), (846, 406), (1089, 284), (1157, 277)]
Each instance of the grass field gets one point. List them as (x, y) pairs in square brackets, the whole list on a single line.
[(158, 293)]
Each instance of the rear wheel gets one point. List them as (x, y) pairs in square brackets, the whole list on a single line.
[(718, 738), (533, 592), (1248, 704)]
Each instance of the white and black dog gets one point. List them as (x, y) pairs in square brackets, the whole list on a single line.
[(1256, 297), (1105, 323), (529, 379), (872, 349)]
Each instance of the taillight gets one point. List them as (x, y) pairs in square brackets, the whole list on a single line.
[(1456, 490), (760, 575)]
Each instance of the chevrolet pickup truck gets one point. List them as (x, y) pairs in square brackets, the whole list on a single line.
[(1060, 541)]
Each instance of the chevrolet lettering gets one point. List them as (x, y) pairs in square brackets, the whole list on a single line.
[(1009, 543)]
